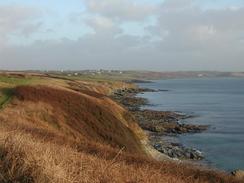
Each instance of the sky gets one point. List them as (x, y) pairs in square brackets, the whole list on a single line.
[(160, 35)]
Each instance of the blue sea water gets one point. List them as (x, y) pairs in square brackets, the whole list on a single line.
[(218, 102)]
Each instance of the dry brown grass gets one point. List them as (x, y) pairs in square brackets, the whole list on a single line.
[(54, 135), (27, 159), (83, 116)]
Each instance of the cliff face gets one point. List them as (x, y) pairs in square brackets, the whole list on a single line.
[(84, 115), (84, 125)]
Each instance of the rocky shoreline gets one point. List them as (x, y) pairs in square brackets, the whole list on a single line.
[(160, 124)]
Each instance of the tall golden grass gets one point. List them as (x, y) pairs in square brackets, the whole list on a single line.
[(43, 140), (27, 159)]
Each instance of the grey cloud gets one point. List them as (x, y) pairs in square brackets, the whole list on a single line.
[(176, 5), (17, 19), (88, 52), (193, 28), (103, 25), (121, 9), (125, 52), (106, 16), (185, 37)]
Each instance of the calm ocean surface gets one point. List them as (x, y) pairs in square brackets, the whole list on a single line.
[(217, 102)]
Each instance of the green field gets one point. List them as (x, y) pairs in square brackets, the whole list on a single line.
[(7, 84), (7, 80), (101, 77), (5, 96)]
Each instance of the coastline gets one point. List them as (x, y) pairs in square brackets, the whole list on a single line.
[(217, 102), (87, 133), (160, 124)]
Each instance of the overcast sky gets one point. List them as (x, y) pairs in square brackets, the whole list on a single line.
[(162, 35)]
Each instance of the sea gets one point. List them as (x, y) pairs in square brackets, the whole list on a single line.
[(217, 102)]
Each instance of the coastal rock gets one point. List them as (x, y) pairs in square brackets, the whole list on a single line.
[(160, 123), (178, 151), (127, 97), (165, 122), (138, 81), (127, 91), (239, 174), (161, 90)]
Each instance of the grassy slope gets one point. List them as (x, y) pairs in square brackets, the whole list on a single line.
[(71, 133), (83, 116), (9, 81), (103, 77), (5, 96), (6, 87)]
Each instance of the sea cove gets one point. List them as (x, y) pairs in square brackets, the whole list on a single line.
[(218, 102)]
